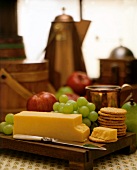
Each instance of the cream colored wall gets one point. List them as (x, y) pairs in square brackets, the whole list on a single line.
[(114, 22)]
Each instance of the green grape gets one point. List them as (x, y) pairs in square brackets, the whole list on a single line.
[(9, 118), (63, 90), (68, 108), (8, 129), (56, 106), (56, 111), (60, 110), (75, 112), (84, 110), (63, 98), (2, 124), (91, 106), (93, 116), (82, 101), (60, 107), (93, 125), (70, 101), (58, 94), (86, 121), (75, 106), (61, 104)]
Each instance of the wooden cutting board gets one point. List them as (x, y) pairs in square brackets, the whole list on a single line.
[(79, 158)]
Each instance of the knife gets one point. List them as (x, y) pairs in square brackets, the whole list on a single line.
[(57, 141)]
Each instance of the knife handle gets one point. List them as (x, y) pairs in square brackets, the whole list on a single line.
[(27, 137)]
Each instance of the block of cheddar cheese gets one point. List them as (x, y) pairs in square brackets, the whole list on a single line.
[(103, 134), (51, 124)]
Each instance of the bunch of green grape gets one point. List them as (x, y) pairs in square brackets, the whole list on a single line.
[(6, 126), (81, 106)]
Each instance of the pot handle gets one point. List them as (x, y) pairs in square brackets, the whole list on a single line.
[(125, 87)]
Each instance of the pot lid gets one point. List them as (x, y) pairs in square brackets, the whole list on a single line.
[(64, 17), (121, 52)]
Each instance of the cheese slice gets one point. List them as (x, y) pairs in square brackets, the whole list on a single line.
[(107, 134), (51, 124)]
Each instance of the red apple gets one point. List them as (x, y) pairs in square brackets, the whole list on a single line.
[(42, 102), (78, 80), (72, 96)]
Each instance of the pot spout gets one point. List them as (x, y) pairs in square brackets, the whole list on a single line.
[(82, 28)]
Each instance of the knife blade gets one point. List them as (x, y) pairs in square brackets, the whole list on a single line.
[(57, 141)]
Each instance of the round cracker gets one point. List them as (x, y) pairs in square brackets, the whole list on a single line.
[(112, 118), (113, 110), (101, 140), (111, 122), (111, 115), (121, 130), (114, 126), (101, 118), (121, 134), (124, 132)]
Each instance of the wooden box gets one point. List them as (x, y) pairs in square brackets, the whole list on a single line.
[(118, 71), (19, 81)]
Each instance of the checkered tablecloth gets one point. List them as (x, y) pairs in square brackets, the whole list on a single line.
[(15, 160)]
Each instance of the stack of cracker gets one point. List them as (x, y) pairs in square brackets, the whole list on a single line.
[(113, 118)]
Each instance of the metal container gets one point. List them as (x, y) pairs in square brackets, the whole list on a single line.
[(107, 95)]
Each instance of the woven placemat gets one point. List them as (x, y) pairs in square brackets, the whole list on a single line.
[(16, 160)]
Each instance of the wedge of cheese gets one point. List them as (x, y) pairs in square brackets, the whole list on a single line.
[(51, 124), (103, 133)]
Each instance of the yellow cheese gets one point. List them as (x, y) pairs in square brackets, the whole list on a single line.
[(104, 133), (51, 124)]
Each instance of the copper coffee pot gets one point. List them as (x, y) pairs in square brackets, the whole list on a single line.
[(64, 48)]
